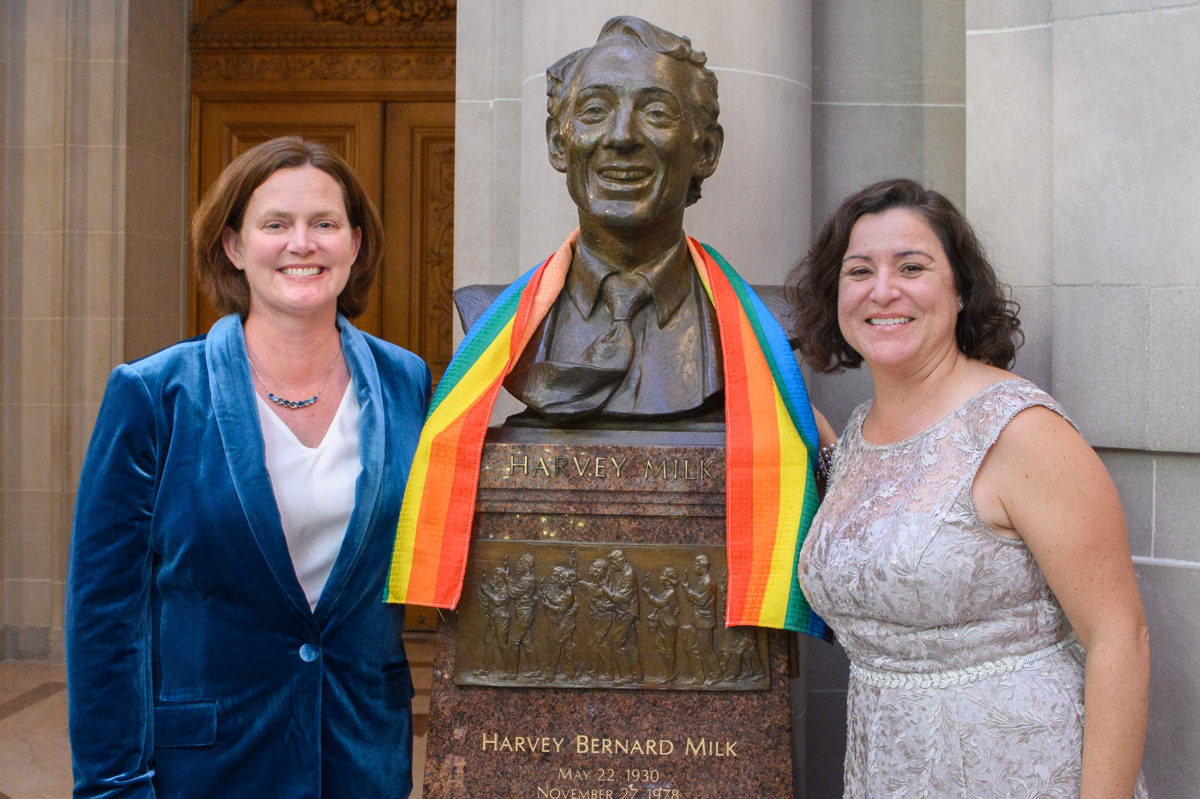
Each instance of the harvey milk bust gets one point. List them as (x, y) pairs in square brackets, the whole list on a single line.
[(633, 125)]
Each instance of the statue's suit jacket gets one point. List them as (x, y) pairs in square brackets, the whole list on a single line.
[(195, 666)]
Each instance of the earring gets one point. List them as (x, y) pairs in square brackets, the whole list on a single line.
[(960, 305)]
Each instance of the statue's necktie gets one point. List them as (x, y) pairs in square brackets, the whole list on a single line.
[(624, 293), (575, 389)]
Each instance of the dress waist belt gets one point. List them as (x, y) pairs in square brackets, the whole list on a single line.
[(886, 678)]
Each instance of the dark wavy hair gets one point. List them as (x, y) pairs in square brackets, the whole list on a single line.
[(987, 328), (560, 77), (225, 203)]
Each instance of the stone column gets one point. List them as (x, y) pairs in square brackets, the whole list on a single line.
[(93, 268)]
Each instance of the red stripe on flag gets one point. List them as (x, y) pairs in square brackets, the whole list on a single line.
[(461, 501), (739, 452)]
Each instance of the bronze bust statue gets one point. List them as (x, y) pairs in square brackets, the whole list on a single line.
[(633, 125)]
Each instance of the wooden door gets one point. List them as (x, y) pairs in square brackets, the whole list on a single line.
[(418, 282)]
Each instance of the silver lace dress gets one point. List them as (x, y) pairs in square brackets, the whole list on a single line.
[(966, 679)]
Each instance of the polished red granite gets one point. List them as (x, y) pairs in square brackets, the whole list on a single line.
[(612, 488)]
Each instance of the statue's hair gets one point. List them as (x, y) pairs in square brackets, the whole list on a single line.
[(561, 75)]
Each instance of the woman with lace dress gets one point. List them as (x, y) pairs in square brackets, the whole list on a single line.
[(971, 552)]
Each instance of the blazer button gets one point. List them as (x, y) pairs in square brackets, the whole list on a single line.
[(309, 653)]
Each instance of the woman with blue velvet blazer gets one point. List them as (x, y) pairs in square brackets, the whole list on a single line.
[(226, 631)]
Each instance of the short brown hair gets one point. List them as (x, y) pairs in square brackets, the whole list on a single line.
[(987, 328), (225, 203)]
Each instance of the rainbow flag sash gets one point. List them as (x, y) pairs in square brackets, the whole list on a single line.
[(770, 435)]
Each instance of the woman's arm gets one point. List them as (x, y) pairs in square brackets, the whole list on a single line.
[(108, 624), (1043, 482), (825, 435)]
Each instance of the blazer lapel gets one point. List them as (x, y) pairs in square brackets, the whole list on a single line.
[(236, 413), (361, 363)]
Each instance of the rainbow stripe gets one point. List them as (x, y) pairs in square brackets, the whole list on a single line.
[(770, 448)]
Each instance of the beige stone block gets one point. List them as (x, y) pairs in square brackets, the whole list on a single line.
[(477, 31), (899, 52), (41, 188), (1173, 355), (756, 208), (1037, 323), (1133, 475), (1127, 148), (10, 349), (1171, 595), (760, 37), (146, 336), (160, 107), (503, 184), (1075, 9), (80, 419), (1177, 507), (1099, 362), (103, 105), (29, 602), (103, 29), (154, 199), (154, 269), (41, 120), (100, 300), (767, 39), (473, 193), (990, 15), (40, 362), (100, 352), (158, 37), (854, 145), (30, 537), (1009, 150), (28, 464), (38, 282)]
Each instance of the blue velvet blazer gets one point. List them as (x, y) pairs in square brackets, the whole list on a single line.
[(195, 667)]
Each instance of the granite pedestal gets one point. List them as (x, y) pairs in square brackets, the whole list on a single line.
[(584, 660)]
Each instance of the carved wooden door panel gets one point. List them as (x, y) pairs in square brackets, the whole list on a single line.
[(418, 214)]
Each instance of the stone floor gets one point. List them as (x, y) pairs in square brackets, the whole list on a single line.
[(35, 761)]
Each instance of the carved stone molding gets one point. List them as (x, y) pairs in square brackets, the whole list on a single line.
[(241, 66)]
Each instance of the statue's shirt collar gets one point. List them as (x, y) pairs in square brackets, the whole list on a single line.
[(669, 278)]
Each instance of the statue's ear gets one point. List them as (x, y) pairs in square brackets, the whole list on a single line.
[(714, 139), (558, 158)]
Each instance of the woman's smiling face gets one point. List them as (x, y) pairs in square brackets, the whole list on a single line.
[(897, 299), (295, 245)]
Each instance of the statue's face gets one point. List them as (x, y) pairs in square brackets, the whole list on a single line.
[(628, 142)]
